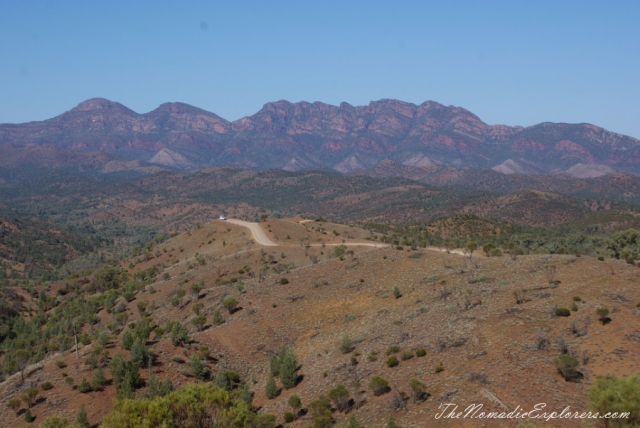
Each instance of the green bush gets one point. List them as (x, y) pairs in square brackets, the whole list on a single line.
[(406, 355), (61, 364), (396, 292), (439, 368), (421, 352), (84, 386), (346, 345), (613, 394), (603, 314), (392, 361), (378, 385), (46, 386), (288, 417), (567, 366), (194, 405), (563, 312), (284, 281), (393, 349)]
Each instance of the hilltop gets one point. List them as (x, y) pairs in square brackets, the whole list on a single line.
[(309, 293)]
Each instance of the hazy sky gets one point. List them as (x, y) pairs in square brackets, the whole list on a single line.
[(510, 62)]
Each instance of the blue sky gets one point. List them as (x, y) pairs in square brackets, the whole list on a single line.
[(510, 62)]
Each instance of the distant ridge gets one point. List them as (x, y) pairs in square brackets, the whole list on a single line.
[(297, 136)]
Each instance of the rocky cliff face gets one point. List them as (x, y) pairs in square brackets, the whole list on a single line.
[(305, 135)]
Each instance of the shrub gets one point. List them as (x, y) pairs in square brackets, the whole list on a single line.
[(321, 413), (577, 298), (46, 386), (197, 367), (284, 281), (392, 361), (603, 314), (288, 367), (98, 380), (613, 394), (295, 404), (421, 352), (439, 368), (61, 364), (199, 322), (288, 417), (563, 312), (396, 292), (230, 304), (139, 353), (406, 355), (417, 389), (495, 253), (378, 385), (393, 349), (217, 318), (84, 386), (346, 345), (567, 366), (27, 416), (270, 389), (574, 307), (340, 397)]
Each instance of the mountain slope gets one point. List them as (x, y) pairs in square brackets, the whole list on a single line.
[(310, 135)]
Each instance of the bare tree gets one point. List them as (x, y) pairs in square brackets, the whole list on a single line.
[(541, 339), (562, 345)]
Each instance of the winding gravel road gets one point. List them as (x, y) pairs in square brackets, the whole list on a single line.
[(256, 231)]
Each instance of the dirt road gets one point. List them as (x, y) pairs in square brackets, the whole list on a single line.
[(261, 238), (256, 231)]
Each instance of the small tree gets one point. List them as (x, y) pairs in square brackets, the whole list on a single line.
[(340, 397), (197, 367), (270, 389), (82, 421), (197, 308), (379, 385), (14, 404), (230, 304), (396, 292), (197, 288), (470, 247), (84, 386), (391, 423), (417, 389), (246, 395), (222, 380), (98, 380), (179, 334), (217, 318), (613, 394), (550, 271), (127, 339), (288, 369), (117, 369), (353, 423), (139, 353), (199, 322), (603, 314), (295, 403), (567, 366), (346, 345)]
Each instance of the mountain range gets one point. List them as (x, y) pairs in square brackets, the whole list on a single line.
[(298, 136)]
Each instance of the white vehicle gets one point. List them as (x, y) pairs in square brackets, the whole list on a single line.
[(223, 217)]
